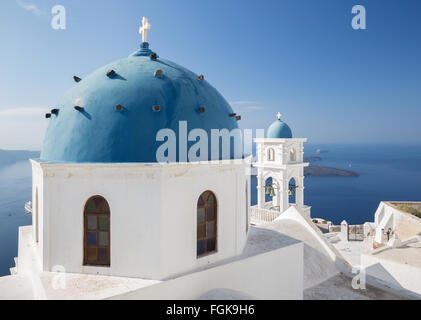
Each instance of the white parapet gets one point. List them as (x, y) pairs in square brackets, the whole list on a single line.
[(260, 215)]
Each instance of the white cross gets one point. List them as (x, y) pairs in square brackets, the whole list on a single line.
[(279, 115), (144, 29)]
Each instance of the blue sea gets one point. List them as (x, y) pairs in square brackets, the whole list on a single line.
[(15, 190), (387, 172)]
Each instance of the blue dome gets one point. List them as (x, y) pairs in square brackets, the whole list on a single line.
[(279, 129), (104, 132)]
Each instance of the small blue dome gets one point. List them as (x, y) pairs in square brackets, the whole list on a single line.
[(119, 119), (279, 129)]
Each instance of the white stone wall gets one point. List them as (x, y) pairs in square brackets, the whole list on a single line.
[(153, 214), (276, 275), (403, 225), (38, 207), (397, 275), (282, 149)]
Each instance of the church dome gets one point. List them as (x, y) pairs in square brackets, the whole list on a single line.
[(113, 115), (279, 129)]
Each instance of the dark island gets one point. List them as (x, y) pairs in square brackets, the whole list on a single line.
[(312, 159), (328, 172), (320, 171)]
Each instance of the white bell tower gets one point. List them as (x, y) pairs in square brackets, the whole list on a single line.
[(280, 169)]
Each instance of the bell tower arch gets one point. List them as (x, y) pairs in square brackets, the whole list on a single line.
[(280, 169)]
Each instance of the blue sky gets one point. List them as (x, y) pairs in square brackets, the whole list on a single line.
[(333, 84)]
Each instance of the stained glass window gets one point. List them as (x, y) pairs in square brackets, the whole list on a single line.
[(103, 239), (97, 232), (92, 222), (103, 223), (91, 238), (206, 224), (200, 247), (91, 254), (200, 215)]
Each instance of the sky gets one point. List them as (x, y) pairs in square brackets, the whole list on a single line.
[(333, 84)]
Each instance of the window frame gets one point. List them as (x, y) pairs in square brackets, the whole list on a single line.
[(86, 230), (205, 223)]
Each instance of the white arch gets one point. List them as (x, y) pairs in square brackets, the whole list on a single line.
[(293, 154)]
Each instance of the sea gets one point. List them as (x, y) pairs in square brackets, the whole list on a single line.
[(386, 173)]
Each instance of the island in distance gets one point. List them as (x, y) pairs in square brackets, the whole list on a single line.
[(325, 171)]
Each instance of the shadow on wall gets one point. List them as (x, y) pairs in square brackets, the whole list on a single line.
[(318, 267), (261, 240), (383, 277), (86, 114)]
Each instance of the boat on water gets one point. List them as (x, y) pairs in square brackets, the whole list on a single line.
[(28, 207)]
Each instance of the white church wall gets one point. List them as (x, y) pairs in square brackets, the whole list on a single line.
[(153, 215), (275, 275), (179, 231), (134, 200), (29, 262), (38, 208)]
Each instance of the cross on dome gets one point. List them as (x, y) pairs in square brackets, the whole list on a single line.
[(146, 26), (279, 115)]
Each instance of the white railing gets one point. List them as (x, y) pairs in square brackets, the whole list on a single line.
[(260, 215)]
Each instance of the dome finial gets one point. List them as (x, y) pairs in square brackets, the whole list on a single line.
[(146, 26), (279, 115)]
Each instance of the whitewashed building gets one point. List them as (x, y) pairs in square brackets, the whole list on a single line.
[(112, 221), (133, 200), (280, 173)]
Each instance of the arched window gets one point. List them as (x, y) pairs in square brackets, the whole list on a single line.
[(269, 190), (206, 224), (97, 232), (292, 188), (271, 154), (293, 155)]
